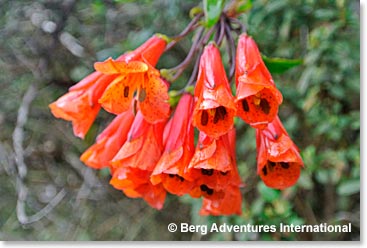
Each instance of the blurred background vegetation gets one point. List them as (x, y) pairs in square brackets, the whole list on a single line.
[(48, 45)]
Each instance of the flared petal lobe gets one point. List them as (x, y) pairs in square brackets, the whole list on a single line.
[(135, 161), (109, 142), (179, 149), (153, 98), (257, 97), (80, 104), (230, 204), (216, 176), (278, 160), (136, 74), (215, 107)]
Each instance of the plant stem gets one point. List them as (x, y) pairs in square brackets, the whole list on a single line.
[(190, 27)]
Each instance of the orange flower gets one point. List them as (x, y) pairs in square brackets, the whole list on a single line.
[(179, 149), (228, 205), (135, 161), (215, 108), (278, 160), (80, 104), (137, 74), (257, 97), (108, 142), (215, 170), (135, 183)]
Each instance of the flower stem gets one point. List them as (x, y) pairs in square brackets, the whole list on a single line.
[(190, 27), (231, 46)]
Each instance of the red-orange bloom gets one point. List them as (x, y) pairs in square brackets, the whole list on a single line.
[(80, 104), (257, 97), (134, 163), (179, 149), (215, 108), (228, 205), (215, 170), (278, 160), (137, 74), (109, 142)]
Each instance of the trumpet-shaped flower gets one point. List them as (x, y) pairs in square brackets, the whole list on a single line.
[(109, 142), (81, 104), (137, 75), (214, 168), (257, 98), (179, 149), (135, 161), (215, 108), (278, 160), (228, 205)]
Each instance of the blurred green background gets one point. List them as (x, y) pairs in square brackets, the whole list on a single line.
[(47, 45)]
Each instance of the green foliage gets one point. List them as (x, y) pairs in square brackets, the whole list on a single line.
[(212, 10), (280, 65)]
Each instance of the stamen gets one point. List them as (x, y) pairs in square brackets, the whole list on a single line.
[(220, 114), (207, 172), (245, 106), (284, 165), (271, 164), (257, 99), (204, 118), (264, 105)]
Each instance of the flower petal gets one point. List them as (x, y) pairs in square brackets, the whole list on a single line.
[(111, 66)]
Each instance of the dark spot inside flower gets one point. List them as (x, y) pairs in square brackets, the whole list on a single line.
[(284, 165), (210, 191), (264, 105), (265, 171), (206, 189), (245, 105), (224, 173), (126, 91), (204, 118), (220, 114), (180, 178), (271, 164), (207, 172), (142, 94), (203, 187), (276, 136), (171, 175)]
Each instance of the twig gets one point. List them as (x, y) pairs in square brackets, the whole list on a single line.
[(22, 190), (231, 46), (190, 27), (18, 134), (220, 34), (194, 48)]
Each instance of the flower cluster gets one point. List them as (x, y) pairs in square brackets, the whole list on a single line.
[(150, 146)]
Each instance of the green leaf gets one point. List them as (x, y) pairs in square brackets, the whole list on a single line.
[(349, 187), (280, 65), (213, 10), (268, 194), (244, 6)]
